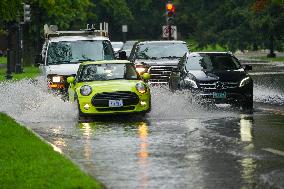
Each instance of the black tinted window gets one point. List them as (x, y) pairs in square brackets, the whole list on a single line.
[(212, 62)]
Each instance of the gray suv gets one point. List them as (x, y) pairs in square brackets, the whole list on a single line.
[(158, 58)]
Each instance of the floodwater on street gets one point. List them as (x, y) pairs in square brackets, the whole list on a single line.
[(180, 144)]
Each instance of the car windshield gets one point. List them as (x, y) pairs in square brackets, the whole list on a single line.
[(70, 52), (212, 62), (104, 72), (161, 50)]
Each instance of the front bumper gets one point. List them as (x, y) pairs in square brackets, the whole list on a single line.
[(142, 105), (238, 95)]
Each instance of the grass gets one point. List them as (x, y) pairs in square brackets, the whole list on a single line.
[(3, 60), (28, 162), (29, 72), (193, 46)]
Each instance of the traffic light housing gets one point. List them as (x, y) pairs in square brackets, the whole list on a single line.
[(27, 12), (170, 12)]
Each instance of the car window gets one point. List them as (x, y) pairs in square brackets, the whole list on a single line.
[(103, 72), (161, 50), (65, 52), (212, 62)]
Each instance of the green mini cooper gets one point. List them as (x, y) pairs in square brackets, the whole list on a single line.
[(109, 87)]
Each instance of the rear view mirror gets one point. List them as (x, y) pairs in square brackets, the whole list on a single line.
[(122, 55), (248, 67), (38, 60)]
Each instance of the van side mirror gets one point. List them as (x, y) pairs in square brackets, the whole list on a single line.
[(122, 55), (248, 67), (38, 60)]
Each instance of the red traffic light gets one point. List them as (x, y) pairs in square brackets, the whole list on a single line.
[(170, 7)]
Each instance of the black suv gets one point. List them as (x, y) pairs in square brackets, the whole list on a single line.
[(214, 76), (157, 58)]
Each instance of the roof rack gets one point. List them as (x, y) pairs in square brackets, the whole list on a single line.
[(52, 31)]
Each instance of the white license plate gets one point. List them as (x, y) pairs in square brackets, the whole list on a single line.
[(115, 103)]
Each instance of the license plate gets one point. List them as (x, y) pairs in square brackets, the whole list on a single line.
[(219, 95), (115, 103)]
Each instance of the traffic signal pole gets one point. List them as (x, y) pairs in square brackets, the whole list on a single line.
[(170, 13)]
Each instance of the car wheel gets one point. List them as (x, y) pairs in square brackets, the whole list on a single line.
[(81, 115)]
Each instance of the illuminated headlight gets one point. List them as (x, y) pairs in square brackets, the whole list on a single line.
[(191, 83), (57, 79), (141, 88), (86, 90), (244, 81), (141, 70)]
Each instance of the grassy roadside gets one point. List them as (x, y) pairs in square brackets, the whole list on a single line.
[(29, 71), (3, 60), (28, 162)]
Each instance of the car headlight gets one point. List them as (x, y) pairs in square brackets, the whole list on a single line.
[(190, 83), (244, 81), (141, 88), (86, 90), (57, 79)]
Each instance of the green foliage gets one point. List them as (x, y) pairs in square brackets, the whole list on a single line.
[(3, 60), (28, 162)]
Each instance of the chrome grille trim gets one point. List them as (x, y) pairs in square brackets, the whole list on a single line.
[(160, 74), (211, 85)]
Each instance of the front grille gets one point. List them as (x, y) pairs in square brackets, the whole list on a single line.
[(217, 85), (160, 74), (101, 100), (116, 109)]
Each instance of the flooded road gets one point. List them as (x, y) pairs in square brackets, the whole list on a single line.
[(178, 145)]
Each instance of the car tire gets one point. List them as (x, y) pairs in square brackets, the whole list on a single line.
[(81, 115)]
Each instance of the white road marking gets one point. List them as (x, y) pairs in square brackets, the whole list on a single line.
[(271, 150)]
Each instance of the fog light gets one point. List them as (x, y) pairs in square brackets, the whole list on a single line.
[(143, 103), (87, 107)]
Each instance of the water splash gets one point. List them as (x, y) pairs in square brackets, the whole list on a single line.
[(268, 94), (29, 101)]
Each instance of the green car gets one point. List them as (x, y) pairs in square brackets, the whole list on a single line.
[(109, 87)]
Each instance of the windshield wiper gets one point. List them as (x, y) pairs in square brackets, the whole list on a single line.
[(60, 62), (83, 60), (170, 57)]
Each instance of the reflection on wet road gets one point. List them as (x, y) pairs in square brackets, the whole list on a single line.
[(178, 145)]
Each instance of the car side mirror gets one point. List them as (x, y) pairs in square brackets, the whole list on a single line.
[(146, 76), (122, 55), (70, 79), (248, 67), (38, 60)]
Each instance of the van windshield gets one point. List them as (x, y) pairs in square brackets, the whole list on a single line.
[(70, 52)]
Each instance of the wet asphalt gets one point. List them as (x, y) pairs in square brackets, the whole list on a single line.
[(181, 145)]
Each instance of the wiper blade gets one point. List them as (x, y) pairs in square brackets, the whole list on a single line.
[(84, 60), (170, 57)]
